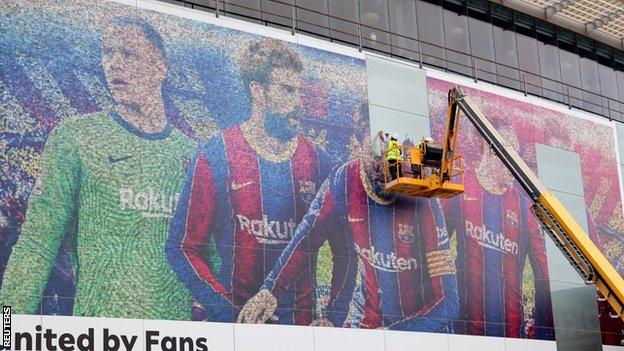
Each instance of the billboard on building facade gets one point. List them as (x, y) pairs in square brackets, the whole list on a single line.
[(106, 108), (156, 167), (490, 243)]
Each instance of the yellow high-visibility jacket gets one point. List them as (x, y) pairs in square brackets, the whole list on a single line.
[(394, 151)]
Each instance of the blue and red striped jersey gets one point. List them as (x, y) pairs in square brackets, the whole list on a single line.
[(245, 203), (401, 246), (495, 235)]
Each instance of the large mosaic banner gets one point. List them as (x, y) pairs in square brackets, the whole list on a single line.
[(501, 259), (161, 168), (156, 167), (113, 117)]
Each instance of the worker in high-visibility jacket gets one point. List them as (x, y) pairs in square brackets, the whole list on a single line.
[(393, 156)]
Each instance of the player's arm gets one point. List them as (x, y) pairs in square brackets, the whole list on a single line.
[(50, 215), (444, 304), (329, 228), (327, 163), (344, 258), (190, 233), (307, 239), (343, 279)]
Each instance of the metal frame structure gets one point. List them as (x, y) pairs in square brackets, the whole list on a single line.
[(525, 81), (601, 15)]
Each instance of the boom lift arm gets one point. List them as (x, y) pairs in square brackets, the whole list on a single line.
[(582, 253), (436, 168)]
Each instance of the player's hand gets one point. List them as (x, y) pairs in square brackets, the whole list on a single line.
[(259, 308), (321, 322)]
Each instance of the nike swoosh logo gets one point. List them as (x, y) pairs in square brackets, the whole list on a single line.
[(241, 185), (112, 160), (353, 220), (468, 198)]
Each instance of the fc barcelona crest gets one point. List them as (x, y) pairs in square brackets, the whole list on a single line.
[(512, 217), (406, 233), (307, 190)]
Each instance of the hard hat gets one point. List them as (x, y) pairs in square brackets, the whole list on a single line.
[(429, 140), (395, 136)]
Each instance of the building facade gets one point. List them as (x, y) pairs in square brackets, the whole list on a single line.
[(170, 173)]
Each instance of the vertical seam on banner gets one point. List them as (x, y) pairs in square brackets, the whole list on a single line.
[(618, 161)]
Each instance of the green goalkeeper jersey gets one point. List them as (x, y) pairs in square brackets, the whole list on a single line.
[(115, 188)]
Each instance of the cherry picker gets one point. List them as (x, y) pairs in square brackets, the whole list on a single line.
[(435, 167)]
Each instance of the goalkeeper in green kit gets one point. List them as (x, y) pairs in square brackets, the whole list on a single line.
[(111, 180)]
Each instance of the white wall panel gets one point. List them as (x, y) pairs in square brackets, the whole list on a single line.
[(529, 345), (367, 340), (332, 339), (290, 338), (469, 342), (254, 337), (407, 341)]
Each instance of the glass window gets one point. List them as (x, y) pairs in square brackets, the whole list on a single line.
[(618, 59), (545, 32), (312, 22), (586, 47), (479, 9), (608, 82), (571, 75), (277, 14), (457, 39), (528, 61), (482, 46), (342, 30), (524, 24), (566, 39), (457, 6), (550, 70), (403, 22), (430, 30), (506, 57), (244, 8), (604, 54), (374, 15), (590, 82), (609, 88), (501, 16)]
